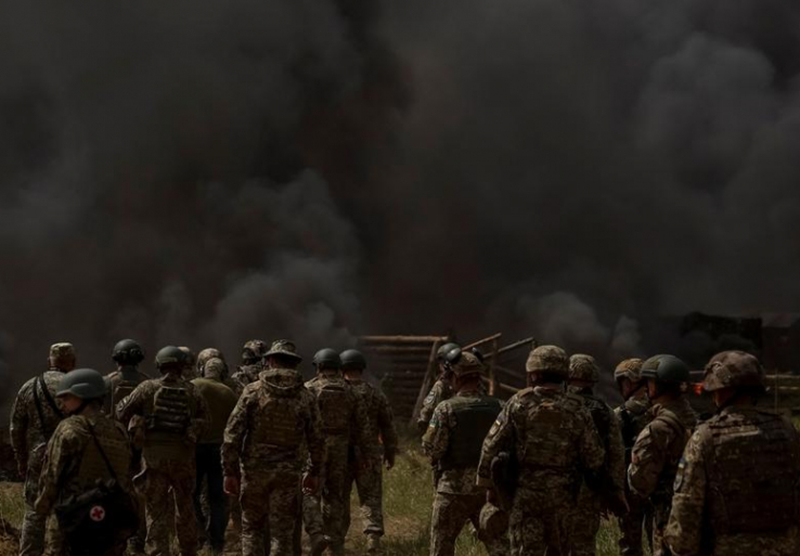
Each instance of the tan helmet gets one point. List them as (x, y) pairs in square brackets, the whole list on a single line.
[(733, 369), (548, 359), (467, 364), (584, 367), (205, 355), (493, 521), (630, 369), (215, 368)]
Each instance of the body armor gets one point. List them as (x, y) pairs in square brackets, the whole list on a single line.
[(545, 445), (171, 411), (474, 418), (113, 441), (752, 474), (335, 406)]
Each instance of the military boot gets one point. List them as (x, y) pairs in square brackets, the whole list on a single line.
[(373, 544), (318, 544)]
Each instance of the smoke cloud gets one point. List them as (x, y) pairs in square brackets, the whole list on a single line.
[(204, 172)]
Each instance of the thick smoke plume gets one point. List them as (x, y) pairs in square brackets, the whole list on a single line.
[(203, 172)]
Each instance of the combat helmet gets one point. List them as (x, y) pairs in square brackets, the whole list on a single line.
[(441, 353), (666, 369), (584, 368), (253, 351), (467, 364), (733, 369), (85, 384), (215, 367), (127, 352), (327, 358), (206, 355), (353, 358), (630, 369), (551, 360), (170, 357)]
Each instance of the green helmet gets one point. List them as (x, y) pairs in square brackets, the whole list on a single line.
[(548, 359), (353, 358), (86, 384), (127, 352), (443, 350), (733, 369), (170, 357), (666, 369), (584, 367), (327, 358), (630, 369)]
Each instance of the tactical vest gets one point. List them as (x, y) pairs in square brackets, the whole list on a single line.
[(550, 433), (474, 418), (279, 424), (753, 474), (172, 411), (114, 443), (126, 384), (335, 406)]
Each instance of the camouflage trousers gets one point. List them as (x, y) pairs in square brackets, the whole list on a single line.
[(661, 512), (369, 484), (585, 523), (451, 512), (269, 501), (328, 509), (540, 521), (630, 525), (167, 487), (31, 542)]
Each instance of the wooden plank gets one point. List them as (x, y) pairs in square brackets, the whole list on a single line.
[(492, 364), (384, 350), (402, 339), (516, 345), (427, 381), (486, 340)]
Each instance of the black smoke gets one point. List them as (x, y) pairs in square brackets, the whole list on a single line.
[(203, 172)]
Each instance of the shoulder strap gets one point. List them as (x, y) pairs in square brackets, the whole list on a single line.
[(48, 397), (102, 453), (38, 403)]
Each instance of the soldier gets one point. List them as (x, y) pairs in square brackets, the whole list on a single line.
[(252, 362), (204, 356), (368, 476), (88, 446), (442, 389), (453, 441), (343, 420), (276, 422), (176, 416), (735, 492), (658, 449), (552, 440), (604, 490), (127, 354), (220, 400), (189, 366), (34, 417), (634, 415)]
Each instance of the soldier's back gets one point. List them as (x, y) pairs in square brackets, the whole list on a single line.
[(337, 403), (120, 384)]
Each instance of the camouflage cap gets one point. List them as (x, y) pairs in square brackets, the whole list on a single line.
[(206, 354), (62, 351), (468, 364), (548, 359), (283, 347), (733, 369), (584, 367), (258, 347), (630, 369)]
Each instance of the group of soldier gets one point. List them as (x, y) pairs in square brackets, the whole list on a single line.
[(260, 448), (536, 474), (273, 455)]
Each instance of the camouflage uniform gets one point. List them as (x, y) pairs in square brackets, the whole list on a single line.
[(168, 478), (247, 374), (453, 442), (73, 464), (736, 487), (275, 423), (442, 390), (368, 475), (634, 415), (654, 461), (605, 489), (252, 363), (553, 440), (120, 383), (344, 421), (32, 424)]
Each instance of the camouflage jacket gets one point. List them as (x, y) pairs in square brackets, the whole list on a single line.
[(380, 422), (436, 442), (736, 487), (634, 415), (613, 476), (247, 374), (130, 377), (551, 436), (30, 429), (73, 464), (441, 391), (346, 420), (275, 423), (160, 445), (658, 449)]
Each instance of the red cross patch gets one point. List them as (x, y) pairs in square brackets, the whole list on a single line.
[(97, 513)]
